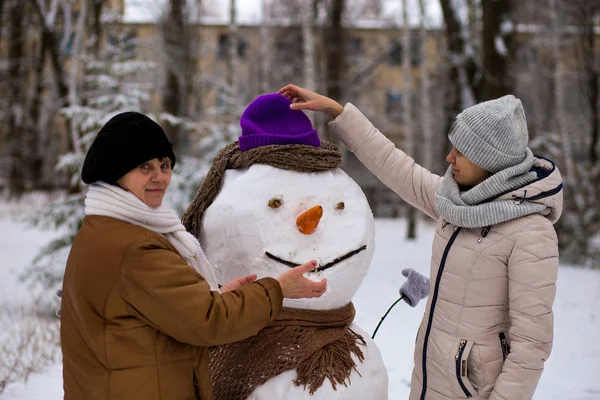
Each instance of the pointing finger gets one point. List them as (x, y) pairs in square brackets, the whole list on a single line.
[(306, 267)]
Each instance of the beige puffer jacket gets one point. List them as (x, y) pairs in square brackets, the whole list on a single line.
[(488, 325)]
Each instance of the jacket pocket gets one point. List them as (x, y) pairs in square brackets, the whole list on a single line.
[(504, 345), (460, 367)]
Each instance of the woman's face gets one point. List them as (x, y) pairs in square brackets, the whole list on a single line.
[(465, 173), (149, 181)]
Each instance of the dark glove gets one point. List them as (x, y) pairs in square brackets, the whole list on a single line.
[(415, 288)]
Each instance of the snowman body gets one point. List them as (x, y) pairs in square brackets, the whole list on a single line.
[(251, 228)]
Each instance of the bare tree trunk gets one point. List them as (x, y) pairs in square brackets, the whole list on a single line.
[(51, 43), (308, 41), (462, 59), (426, 115), (408, 92), (1, 18), (462, 67), (97, 8), (573, 198), (559, 112), (74, 76), (16, 37), (474, 24), (177, 50), (265, 49), (587, 188), (232, 59), (334, 40), (35, 161), (309, 54), (592, 75), (496, 47)]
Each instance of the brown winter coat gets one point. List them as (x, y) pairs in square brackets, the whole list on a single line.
[(136, 320), (488, 324)]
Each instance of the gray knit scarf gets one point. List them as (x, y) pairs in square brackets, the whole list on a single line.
[(476, 207)]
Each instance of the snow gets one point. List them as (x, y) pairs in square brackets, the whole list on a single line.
[(571, 372), (500, 46), (249, 12), (507, 27)]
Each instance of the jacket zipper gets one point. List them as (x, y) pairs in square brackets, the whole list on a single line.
[(546, 194), (461, 367), (433, 303), (505, 346)]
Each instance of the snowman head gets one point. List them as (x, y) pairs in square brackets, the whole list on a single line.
[(277, 199), (258, 225)]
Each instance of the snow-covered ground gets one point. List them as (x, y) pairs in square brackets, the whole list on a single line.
[(571, 373)]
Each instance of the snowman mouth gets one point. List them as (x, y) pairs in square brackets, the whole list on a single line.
[(320, 267)]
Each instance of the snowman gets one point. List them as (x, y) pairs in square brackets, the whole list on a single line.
[(272, 201)]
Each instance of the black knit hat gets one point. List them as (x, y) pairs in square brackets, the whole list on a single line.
[(126, 141)]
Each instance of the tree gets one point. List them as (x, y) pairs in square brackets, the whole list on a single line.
[(16, 43), (47, 18), (579, 227), (425, 98), (334, 51), (408, 94), (232, 38), (309, 23), (497, 47), (177, 37), (109, 87), (484, 75), (265, 48)]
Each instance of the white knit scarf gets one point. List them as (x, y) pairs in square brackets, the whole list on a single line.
[(112, 201), (474, 209)]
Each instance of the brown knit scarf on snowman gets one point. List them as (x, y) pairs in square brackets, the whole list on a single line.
[(318, 344), (296, 157)]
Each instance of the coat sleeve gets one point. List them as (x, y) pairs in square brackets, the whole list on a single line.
[(532, 271), (166, 293), (413, 183)]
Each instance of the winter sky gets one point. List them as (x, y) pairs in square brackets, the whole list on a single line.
[(249, 11)]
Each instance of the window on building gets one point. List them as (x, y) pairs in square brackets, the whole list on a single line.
[(289, 48), (416, 49), (289, 54), (354, 48), (223, 49), (394, 108), (395, 52)]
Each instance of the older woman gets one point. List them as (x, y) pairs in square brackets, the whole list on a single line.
[(138, 312), (488, 325)]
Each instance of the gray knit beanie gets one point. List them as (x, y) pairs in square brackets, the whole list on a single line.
[(493, 134)]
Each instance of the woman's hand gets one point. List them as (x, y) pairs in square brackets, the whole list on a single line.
[(304, 99), (295, 286), (237, 283)]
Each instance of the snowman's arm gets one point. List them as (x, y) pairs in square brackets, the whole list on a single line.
[(413, 183), (160, 289)]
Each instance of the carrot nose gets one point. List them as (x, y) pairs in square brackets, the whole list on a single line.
[(308, 221)]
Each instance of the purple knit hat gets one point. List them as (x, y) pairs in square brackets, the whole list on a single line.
[(269, 120)]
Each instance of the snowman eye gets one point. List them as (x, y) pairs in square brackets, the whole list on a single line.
[(340, 205), (275, 202)]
